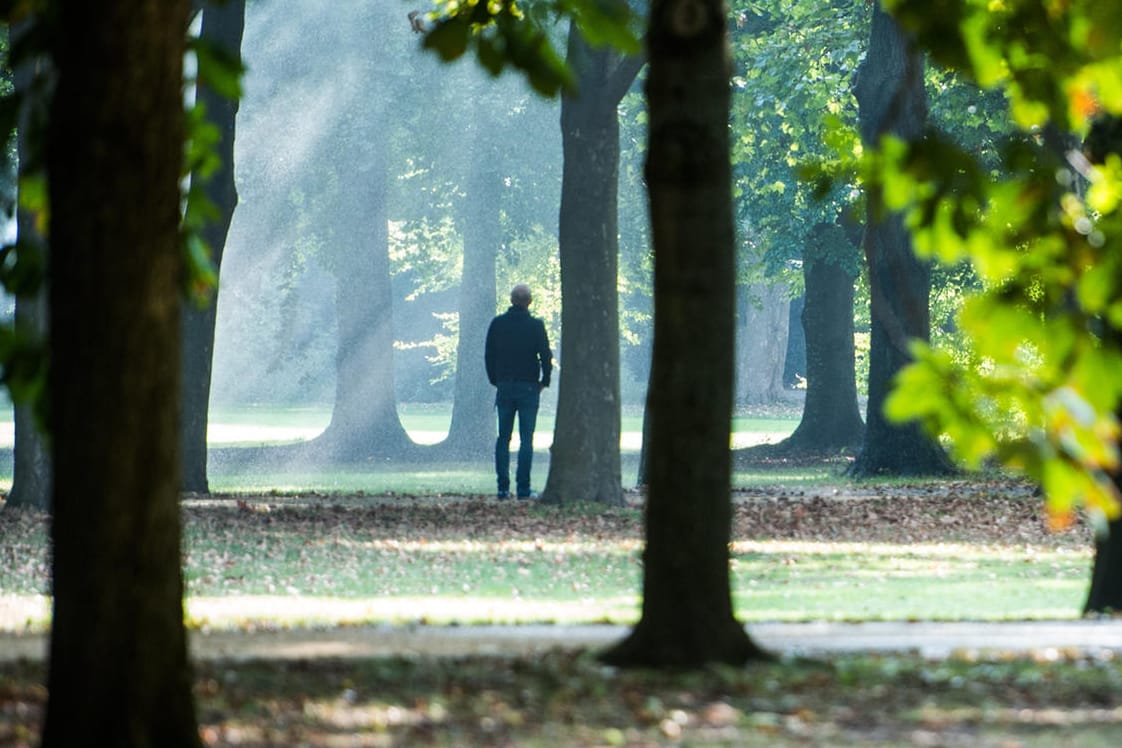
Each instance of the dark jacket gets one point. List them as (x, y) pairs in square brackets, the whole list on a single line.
[(517, 348)]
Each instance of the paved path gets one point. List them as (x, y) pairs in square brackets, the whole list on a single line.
[(928, 639)]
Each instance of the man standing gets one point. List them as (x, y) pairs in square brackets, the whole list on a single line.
[(519, 364)]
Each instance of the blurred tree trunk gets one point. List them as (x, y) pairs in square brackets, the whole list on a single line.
[(364, 420), (831, 419), (891, 100), (761, 342), (687, 615), (471, 434), (118, 672), (223, 25), (584, 459), (31, 469), (1105, 593), (794, 361)]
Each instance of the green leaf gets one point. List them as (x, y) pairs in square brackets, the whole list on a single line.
[(218, 68), (448, 38)]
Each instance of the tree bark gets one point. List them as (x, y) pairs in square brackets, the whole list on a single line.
[(364, 420), (585, 459), (687, 616), (761, 342), (891, 100), (1105, 593), (118, 672), (831, 420), (223, 25), (31, 468), (471, 433)]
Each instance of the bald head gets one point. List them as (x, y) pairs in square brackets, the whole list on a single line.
[(520, 295)]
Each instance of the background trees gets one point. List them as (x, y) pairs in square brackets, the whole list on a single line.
[(1043, 233), (31, 469), (786, 109), (221, 33), (892, 100)]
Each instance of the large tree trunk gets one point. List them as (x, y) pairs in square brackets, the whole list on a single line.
[(687, 616), (118, 672), (584, 459), (892, 100), (223, 25), (364, 420), (831, 420), (471, 433)]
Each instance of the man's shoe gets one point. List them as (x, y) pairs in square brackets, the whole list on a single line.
[(527, 497), (502, 495)]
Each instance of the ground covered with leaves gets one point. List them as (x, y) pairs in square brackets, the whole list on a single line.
[(566, 698), (929, 551), (258, 548)]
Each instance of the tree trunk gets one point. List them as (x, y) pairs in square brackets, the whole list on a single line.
[(584, 459), (364, 421), (223, 25), (118, 672), (31, 469), (761, 343), (687, 616), (892, 100), (1105, 593), (831, 420), (794, 362), (471, 433)]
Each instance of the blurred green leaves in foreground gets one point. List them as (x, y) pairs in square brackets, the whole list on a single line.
[(1039, 390), (523, 35)]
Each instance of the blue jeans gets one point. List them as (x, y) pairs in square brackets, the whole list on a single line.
[(513, 398)]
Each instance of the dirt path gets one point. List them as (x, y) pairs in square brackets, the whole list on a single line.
[(929, 639)]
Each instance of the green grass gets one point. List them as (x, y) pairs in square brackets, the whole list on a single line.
[(464, 478), (435, 480), (375, 561), (798, 581)]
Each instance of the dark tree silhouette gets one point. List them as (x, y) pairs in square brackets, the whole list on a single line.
[(891, 100), (223, 26), (118, 672), (687, 616), (1105, 592)]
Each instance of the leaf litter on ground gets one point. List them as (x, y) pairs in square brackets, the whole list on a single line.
[(565, 697)]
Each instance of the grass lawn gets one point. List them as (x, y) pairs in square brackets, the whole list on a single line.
[(285, 550), (949, 550), (848, 553)]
